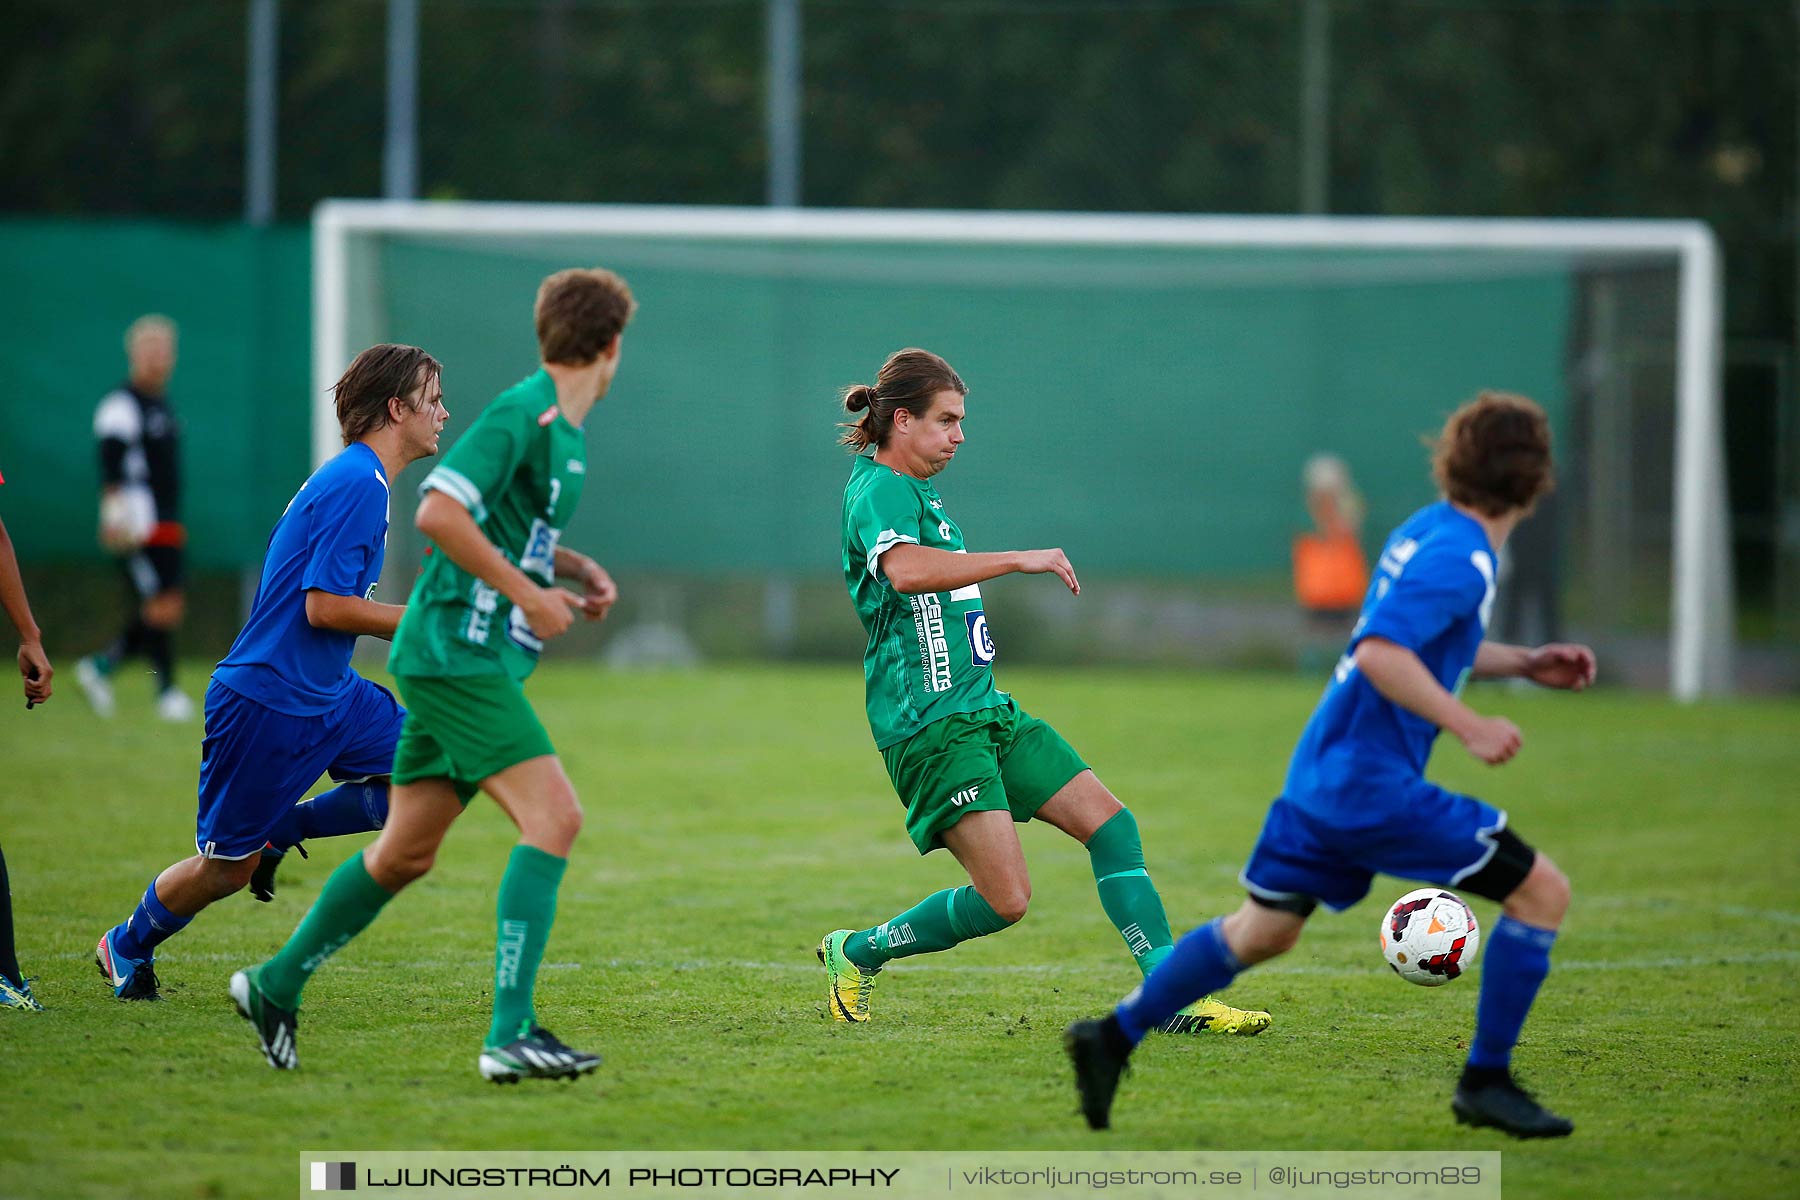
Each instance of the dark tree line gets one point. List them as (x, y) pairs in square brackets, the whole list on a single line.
[(1483, 107)]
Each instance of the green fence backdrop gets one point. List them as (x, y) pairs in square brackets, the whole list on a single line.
[(241, 298), (1147, 408)]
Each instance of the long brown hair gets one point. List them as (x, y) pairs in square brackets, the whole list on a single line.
[(379, 374), (909, 379)]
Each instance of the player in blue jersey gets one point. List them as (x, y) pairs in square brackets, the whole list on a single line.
[(1356, 801), (284, 707)]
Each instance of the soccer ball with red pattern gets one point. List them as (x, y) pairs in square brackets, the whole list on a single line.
[(1429, 937)]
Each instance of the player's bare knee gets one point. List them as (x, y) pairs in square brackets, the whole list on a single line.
[(555, 826), (1543, 898), (1558, 883), (412, 867), (1009, 900), (1255, 934), (395, 866), (1265, 942), (227, 877), (1103, 807), (1561, 890), (418, 862)]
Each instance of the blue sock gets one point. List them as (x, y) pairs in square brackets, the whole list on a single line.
[(347, 808), (1200, 964), (1518, 959), (148, 927)]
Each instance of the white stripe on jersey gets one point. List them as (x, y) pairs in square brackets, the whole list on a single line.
[(118, 417), (1485, 565), (887, 541), (457, 486)]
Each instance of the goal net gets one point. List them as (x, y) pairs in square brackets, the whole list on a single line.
[(1144, 393)]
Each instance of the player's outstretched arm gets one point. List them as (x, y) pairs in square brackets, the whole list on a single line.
[(1555, 664), (599, 592), (1397, 674), (916, 569), (352, 614), (446, 522), (34, 664)]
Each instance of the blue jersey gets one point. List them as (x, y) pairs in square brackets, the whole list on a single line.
[(332, 538), (1432, 594)]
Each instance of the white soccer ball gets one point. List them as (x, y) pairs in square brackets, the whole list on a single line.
[(1429, 937), (127, 517)]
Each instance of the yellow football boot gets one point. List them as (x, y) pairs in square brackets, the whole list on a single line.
[(848, 985), (1210, 1016)]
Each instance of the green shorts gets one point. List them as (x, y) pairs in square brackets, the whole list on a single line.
[(995, 759), (465, 728)]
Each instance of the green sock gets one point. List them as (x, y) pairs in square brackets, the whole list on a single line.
[(937, 922), (526, 910), (346, 904), (1126, 893)]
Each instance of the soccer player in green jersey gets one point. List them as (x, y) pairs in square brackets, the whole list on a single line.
[(965, 759), (482, 608)]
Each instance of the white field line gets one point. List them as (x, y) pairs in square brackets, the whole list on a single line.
[(1757, 914), (1645, 904)]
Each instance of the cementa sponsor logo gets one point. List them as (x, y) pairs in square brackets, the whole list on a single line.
[(934, 649)]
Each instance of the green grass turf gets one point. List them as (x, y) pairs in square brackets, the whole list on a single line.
[(734, 816)]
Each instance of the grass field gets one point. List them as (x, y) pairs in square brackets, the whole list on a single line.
[(736, 815)]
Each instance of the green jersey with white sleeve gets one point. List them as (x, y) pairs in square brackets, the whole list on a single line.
[(519, 470), (929, 655)]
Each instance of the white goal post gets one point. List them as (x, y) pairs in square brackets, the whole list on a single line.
[(1702, 600)]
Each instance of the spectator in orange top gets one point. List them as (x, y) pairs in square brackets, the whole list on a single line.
[(1330, 572)]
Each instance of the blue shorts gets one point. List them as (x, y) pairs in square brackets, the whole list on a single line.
[(257, 763), (1419, 831)]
